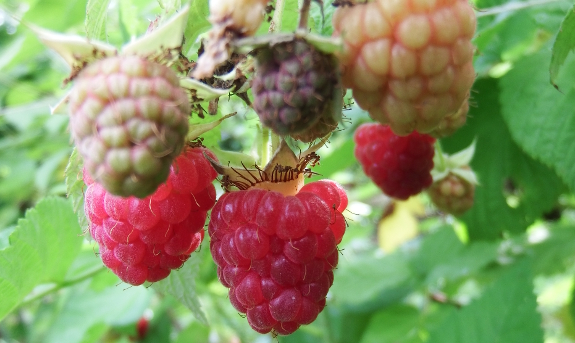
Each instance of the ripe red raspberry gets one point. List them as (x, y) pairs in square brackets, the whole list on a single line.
[(400, 166), (144, 239), (129, 120), (409, 63), (277, 253), (452, 194)]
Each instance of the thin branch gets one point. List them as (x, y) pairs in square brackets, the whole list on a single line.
[(64, 284)]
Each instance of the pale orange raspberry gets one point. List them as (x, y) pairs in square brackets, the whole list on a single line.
[(451, 123), (408, 62)]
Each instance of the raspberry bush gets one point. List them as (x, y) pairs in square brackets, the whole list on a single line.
[(286, 171)]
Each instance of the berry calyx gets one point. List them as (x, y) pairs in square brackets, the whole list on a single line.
[(409, 63), (400, 166), (276, 253), (129, 119), (144, 239)]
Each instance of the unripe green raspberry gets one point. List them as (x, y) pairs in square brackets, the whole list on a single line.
[(452, 194), (129, 120), (293, 85), (409, 63)]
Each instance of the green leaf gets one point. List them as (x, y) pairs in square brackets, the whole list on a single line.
[(394, 324), (505, 313), (539, 116), (197, 23), (75, 187), (42, 248), (85, 308), (556, 254), (341, 157), (443, 257), (322, 25), (563, 45), (382, 280), (194, 333), (509, 197), (438, 248), (181, 284), (95, 22)]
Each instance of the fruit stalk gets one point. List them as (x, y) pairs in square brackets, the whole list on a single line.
[(276, 24), (67, 283), (304, 14), (439, 153)]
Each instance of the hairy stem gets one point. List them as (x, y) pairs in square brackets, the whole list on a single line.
[(276, 23)]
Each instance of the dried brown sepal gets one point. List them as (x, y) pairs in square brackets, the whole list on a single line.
[(285, 173)]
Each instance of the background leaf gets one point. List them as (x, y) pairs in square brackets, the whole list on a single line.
[(41, 249), (563, 45), (509, 197), (96, 19), (506, 312), (539, 116), (181, 284)]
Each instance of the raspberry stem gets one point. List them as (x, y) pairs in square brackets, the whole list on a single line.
[(304, 14), (265, 152), (89, 274), (439, 152), (276, 23)]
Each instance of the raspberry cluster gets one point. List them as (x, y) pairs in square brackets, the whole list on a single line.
[(409, 63), (400, 166), (144, 239), (277, 253)]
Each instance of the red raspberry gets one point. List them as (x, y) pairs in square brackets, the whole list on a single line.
[(144, 239), (452, 194), (400, 166), (409, 63), (277, 253)]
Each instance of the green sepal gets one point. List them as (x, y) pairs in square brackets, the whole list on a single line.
[(458, 164)]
